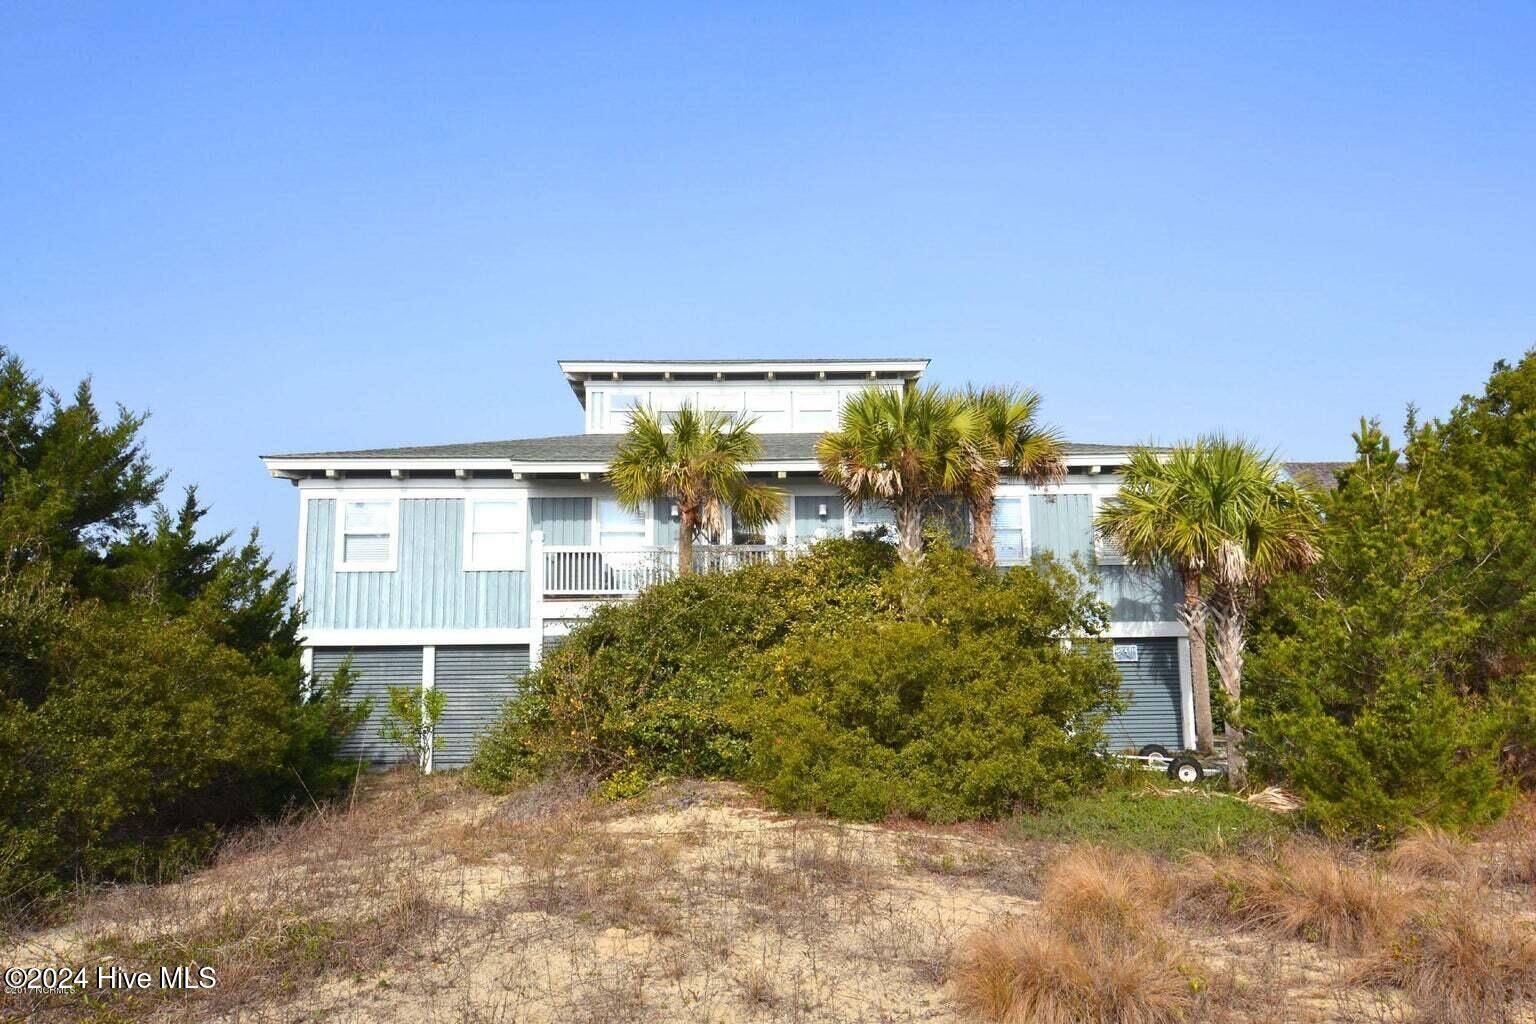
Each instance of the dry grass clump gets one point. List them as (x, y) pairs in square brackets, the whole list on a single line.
[(1092, 885), (1434, 854), (1459, 965), (1309, 891), (1512, 847), (1020, 972), (1101, 953)]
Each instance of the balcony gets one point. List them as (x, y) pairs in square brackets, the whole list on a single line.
[(620, 572)]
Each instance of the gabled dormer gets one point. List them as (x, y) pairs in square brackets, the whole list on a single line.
[(782, 396)]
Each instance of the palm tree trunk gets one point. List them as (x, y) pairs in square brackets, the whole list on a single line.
[(1231, 626), (981, 529), (687, 518), (909, 531), (1195, 616)]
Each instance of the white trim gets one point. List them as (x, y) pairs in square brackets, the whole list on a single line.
[(280, 464), (414, 637), (318, 488), (307, 666), (300, 561), (571, 367), (519, 560), (338, 558), (1186, 694), (428, 682), (535, 598), (1144, 630)]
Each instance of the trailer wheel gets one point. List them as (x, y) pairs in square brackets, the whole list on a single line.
[(1156, 754), (1186, 770)]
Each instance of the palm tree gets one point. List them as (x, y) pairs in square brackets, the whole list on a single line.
[(1218, 513), (1011, 442), (1276, 533), (905, 447), (696, 460)]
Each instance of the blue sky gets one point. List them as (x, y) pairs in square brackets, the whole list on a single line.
[(327, 227)]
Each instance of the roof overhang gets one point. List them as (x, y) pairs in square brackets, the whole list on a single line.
[(300, 467)]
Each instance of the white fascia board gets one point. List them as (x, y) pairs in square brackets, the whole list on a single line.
[(342, 465), (619, 366), (412, 637)]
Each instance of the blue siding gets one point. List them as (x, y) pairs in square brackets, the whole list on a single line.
[(1137, 596), (666, 524), (429, 590), (808, 518), (475, 682), (1150, 685), (1062, 524), (566, 522), (375, 670)]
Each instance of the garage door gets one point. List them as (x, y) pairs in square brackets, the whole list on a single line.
[(375, 670), (475, 682), (1149, 671)]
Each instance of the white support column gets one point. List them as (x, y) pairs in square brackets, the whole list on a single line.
[(307, 663), (535, 598), (1186, 694), (428, 682)]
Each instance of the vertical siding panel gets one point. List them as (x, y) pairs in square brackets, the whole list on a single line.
[(429, 588), (1062, 524)]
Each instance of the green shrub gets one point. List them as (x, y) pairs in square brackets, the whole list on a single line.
[(963, 704), (151, 739), (643, 685), (838, 681), (1393, 684)]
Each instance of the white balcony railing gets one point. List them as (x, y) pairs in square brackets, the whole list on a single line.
[(612, 572)]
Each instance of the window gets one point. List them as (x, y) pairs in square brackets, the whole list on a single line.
[(1009, 541), (769, 533), (770, 408), (871, 518), (494, 534), (621, 404), (365, 541), (1105, 551), (619, 527), (816, 410), (721, 400)]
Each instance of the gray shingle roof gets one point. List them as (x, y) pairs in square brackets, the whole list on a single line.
[(1316, 474), (596, 448)]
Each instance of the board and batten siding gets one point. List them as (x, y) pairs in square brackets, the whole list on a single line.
[(666, 527), (1154, 701), (375, 670), (429, 589), (566, 522), (1135, 595), (1062, 524), (808, 517), (475, 682)]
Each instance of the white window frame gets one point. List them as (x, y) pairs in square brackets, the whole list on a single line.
[(648, 526), (1104, 553), (815, 400), (769, 401), (392, 562), (619, 416), (1026, 539), (518, 561)]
